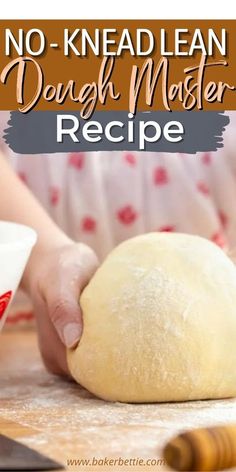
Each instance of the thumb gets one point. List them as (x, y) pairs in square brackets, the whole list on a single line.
[(61, 291), (65, 313)]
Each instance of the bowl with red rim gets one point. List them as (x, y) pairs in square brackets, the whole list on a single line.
[(16, 243)]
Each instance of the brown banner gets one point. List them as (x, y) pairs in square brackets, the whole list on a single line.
[(191, 65)]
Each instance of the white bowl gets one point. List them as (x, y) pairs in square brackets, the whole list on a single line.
[(16, 243)]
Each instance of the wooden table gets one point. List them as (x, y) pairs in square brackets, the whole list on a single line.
[(63, 421)]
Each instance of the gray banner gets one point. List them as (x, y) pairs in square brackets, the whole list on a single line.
[(47, 132)]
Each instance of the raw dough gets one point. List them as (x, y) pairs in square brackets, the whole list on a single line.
[(159, 322)]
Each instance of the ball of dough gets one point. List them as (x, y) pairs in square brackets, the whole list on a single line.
[(159, 322)]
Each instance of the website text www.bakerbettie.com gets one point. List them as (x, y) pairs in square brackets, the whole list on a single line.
[(107, 462)]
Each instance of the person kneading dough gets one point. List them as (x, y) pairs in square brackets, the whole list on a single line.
[(159, 322)]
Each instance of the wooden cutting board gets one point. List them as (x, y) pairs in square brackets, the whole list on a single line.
[(63, 421)]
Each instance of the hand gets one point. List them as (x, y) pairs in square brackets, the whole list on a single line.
[(55, 281), (56, 273)]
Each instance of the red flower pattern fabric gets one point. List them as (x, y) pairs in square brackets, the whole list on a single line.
[(160, 176), (88, 224), (127, 215)]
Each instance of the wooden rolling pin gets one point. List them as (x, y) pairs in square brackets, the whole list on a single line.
[(203, 449)]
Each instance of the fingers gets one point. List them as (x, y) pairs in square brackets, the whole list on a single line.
[(63, 275), (75, 269), (51, 347), (65, 313)]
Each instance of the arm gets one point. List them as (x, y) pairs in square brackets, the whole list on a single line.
[(56, 273)]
